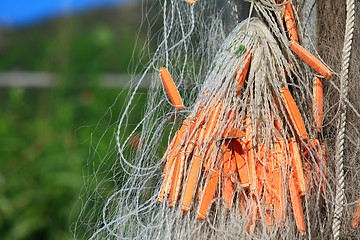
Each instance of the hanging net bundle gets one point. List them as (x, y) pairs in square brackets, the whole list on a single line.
[(241, 136)]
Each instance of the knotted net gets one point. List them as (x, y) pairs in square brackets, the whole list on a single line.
[(204, 46)]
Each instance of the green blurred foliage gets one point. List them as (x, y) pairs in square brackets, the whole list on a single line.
[(97, 50), (101, 41), (44, 144), (47, 135)]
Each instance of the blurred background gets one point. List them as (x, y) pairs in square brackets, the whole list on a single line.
[(63, 63)]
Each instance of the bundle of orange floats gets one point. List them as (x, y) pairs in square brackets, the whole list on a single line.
[(239, 162)]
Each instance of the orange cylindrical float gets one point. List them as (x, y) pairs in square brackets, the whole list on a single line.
[(209, 191), (241, 164), (171, 88), (296, 205), (171, 153), (227, 190), (278, 184), (176, 178), (318, 102), (243, 73), (311, 60), (290, 22), (191, 183), (297, 165), (294, 113), (356, 219), (250, 154)]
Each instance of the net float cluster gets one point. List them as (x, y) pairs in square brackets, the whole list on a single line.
[(219, 167)]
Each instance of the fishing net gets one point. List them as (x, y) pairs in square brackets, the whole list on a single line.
[(238, 139)]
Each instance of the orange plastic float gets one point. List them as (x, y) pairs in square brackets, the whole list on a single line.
[(318, 103), (191, 183), (209, 192), (176, 178), (294, 113), (290, 22), (296, 205), (356, 219), (241, 165), (171, 88), (228, 164), (297, 166), (243, 73), (269, 178), (311, 60), (250, 154), (191, 1)]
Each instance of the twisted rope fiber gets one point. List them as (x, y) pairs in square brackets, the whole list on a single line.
[(340, 140)]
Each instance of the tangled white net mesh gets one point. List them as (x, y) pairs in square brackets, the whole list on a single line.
[(204, 49)]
